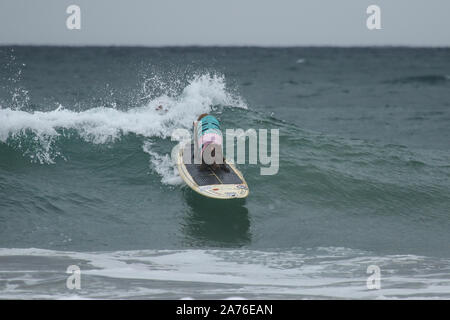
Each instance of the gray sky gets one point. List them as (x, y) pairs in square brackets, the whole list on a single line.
[(225, 22)]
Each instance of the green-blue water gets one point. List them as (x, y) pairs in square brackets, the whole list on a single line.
[(364, 175)]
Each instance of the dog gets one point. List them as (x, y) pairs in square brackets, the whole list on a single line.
[(208, 143)]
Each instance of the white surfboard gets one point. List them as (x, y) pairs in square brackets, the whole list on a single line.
[(217, 184)]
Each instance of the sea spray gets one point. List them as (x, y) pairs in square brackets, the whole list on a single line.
[(103, 125), (163, 165)]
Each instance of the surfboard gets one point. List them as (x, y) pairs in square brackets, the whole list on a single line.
[(217, 184)]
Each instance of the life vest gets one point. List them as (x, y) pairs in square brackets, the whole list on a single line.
[(208, 131)]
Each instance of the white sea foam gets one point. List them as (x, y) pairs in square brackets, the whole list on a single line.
[(103, 125), (163, 165), (100, 125), (174, 274)]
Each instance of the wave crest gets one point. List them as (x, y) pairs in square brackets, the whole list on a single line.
[(104, 125)]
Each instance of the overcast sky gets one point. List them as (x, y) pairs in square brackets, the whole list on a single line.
[(225, 22)]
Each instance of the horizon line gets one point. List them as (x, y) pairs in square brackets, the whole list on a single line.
[(229, 46)]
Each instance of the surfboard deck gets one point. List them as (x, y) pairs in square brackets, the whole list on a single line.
[(217, 184)]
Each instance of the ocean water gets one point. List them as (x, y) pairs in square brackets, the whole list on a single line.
[(86, 177)]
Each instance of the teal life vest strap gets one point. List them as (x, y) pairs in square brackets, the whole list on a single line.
[(209, 122)]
